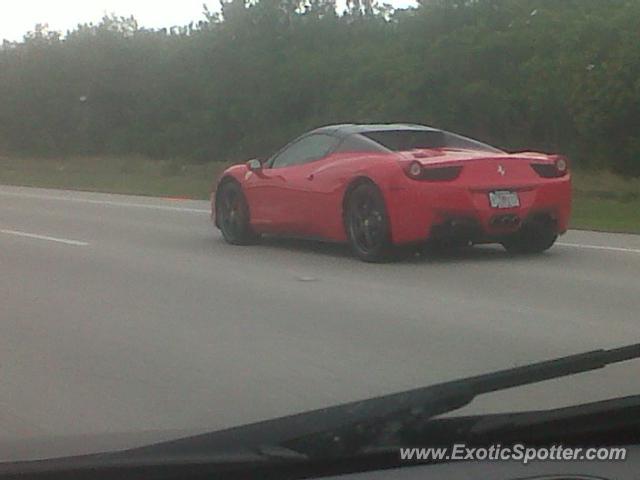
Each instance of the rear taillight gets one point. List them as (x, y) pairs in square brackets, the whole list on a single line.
[(558, 168), (561, 165), (414, 170), (434, 174)]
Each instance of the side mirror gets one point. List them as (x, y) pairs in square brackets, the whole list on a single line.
[(254, 165)]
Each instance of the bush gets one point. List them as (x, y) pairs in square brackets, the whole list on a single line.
[(522, 74)]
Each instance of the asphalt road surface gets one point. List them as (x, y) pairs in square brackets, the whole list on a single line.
[(122, 313)]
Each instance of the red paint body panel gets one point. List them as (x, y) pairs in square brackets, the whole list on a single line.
[(307, 200)]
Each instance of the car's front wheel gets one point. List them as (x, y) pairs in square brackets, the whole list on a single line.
[(232, 214), (533, 237), (367, 223)]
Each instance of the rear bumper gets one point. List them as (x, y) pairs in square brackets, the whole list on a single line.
[(419, 211)]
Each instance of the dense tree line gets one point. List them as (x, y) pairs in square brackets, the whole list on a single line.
[(561, 75)]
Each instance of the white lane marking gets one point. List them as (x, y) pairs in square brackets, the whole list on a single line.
[(201, 210), (599, 247), (105, 202), (45, 237)]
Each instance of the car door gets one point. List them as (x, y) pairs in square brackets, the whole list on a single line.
[(279, 195)]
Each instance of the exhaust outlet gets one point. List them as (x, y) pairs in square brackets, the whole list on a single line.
[(505, 221)]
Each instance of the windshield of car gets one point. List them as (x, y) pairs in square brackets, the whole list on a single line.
[(218, 213)]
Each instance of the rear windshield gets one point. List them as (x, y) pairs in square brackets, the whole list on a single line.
[(402, 140)]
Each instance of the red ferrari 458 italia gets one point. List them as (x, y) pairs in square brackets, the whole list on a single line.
[(379, 187)]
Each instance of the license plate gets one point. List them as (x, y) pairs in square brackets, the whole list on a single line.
[(504, 199)]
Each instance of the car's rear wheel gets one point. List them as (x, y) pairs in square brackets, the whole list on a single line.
[(232, 213), (533, 237), (367, 223)]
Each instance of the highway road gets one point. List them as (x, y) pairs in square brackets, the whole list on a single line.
[(122, 313)]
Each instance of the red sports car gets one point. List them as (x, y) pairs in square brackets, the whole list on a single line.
[(378, 187)]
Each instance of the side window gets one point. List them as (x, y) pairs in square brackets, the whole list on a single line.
[(304, 150), (359, 143)]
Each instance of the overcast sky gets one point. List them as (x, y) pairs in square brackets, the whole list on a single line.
[(19, 16)]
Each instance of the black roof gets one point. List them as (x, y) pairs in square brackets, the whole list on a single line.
[(345, 129)]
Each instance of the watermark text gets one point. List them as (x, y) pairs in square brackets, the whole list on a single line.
[(518, 453)]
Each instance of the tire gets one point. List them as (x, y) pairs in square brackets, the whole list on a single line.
[(534, 237), (367, 224), (232, 214)]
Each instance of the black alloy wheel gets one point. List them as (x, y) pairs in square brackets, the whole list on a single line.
[(533, 237), (232, 214), (367, 223)]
